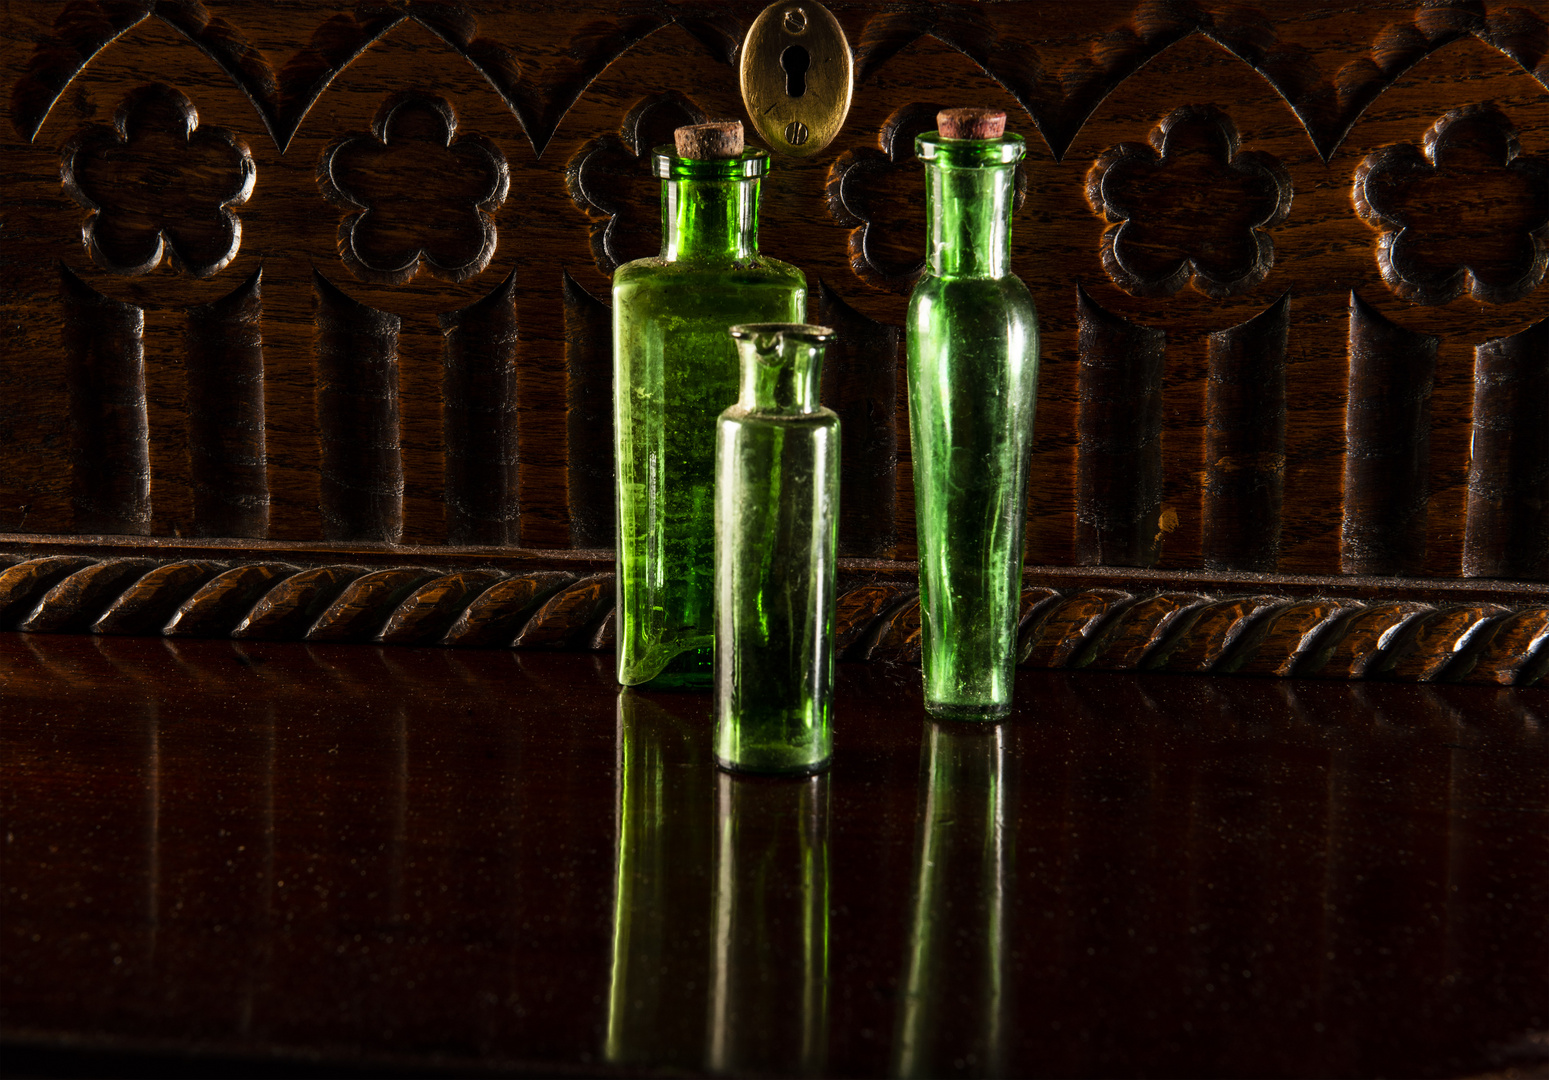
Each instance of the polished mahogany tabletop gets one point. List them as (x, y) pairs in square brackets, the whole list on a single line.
[(289, 859)]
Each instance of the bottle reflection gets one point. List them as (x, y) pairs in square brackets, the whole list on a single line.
[(769, 989), (656, 1003), (953, 1008)]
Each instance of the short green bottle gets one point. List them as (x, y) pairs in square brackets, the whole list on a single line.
[(674, 370), (776, 532), (973, 381)]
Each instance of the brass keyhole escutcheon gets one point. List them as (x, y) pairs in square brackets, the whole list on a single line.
[(797, 75)]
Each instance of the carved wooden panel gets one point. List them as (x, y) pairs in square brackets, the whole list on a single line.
[(1139, 621), (340, 273)]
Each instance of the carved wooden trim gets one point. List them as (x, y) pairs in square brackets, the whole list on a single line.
[(357, 417), (93, 168), (1151, 247), (1286, 627), (454, 229), (1507, 527), (1388, 438), (887, 250), (1119, 464), (1061, 101), (1285, 427), (610, 179), (1245, 420), (1427, 268), (110, 469)]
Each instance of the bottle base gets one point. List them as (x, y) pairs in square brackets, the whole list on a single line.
[(678, 680), (691, 669), (773, 771), (958, 711)]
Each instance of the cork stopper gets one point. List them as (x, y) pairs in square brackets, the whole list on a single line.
[(972, 123), (715, 141)]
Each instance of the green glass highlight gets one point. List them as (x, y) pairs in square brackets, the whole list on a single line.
[(953, 1012), (769, 966), (674, 370), (973, 381), (776, 528)]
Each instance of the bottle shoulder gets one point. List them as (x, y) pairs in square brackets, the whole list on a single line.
[(760, 269), (1008, 292)]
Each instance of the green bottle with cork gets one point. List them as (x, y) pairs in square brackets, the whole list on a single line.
[(675, 369), (973, 380)]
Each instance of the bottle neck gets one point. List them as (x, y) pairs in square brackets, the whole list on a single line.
[(782, 366), (970, 189), (709, 219)]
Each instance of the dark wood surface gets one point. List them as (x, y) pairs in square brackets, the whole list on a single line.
[(313, 858)]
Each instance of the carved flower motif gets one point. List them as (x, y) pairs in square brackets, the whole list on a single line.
[(421, 193), (1467, 210), (157, 184), (880, 195), (1189, 206), (610, 179)]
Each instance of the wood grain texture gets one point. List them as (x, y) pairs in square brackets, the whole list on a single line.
[(1245, 442), (1466, 211), (1255, 133), (421, 196), (1387, 444), (104, 355), (1119, 457), (1189, 208), (589, 472), (226, 439), (1508, 480), (860, 383), (479, 390), (357, 417)]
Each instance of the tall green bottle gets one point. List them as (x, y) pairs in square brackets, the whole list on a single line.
[(674, 370), (973, 381)]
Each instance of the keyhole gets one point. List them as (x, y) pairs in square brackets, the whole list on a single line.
[(795, 60)]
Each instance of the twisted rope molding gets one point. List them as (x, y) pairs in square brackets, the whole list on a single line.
[(1096, 628)]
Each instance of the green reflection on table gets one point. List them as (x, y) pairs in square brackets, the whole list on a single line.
[(769, 995), (720, 917), (952, 1014), (661, 910)]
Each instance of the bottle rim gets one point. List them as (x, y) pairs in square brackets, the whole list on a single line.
[(931, 147), (752, 164), (808, 332)]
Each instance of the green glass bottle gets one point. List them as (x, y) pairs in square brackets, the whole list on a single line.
[(776, 528), (973, 381), (674, 370)]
